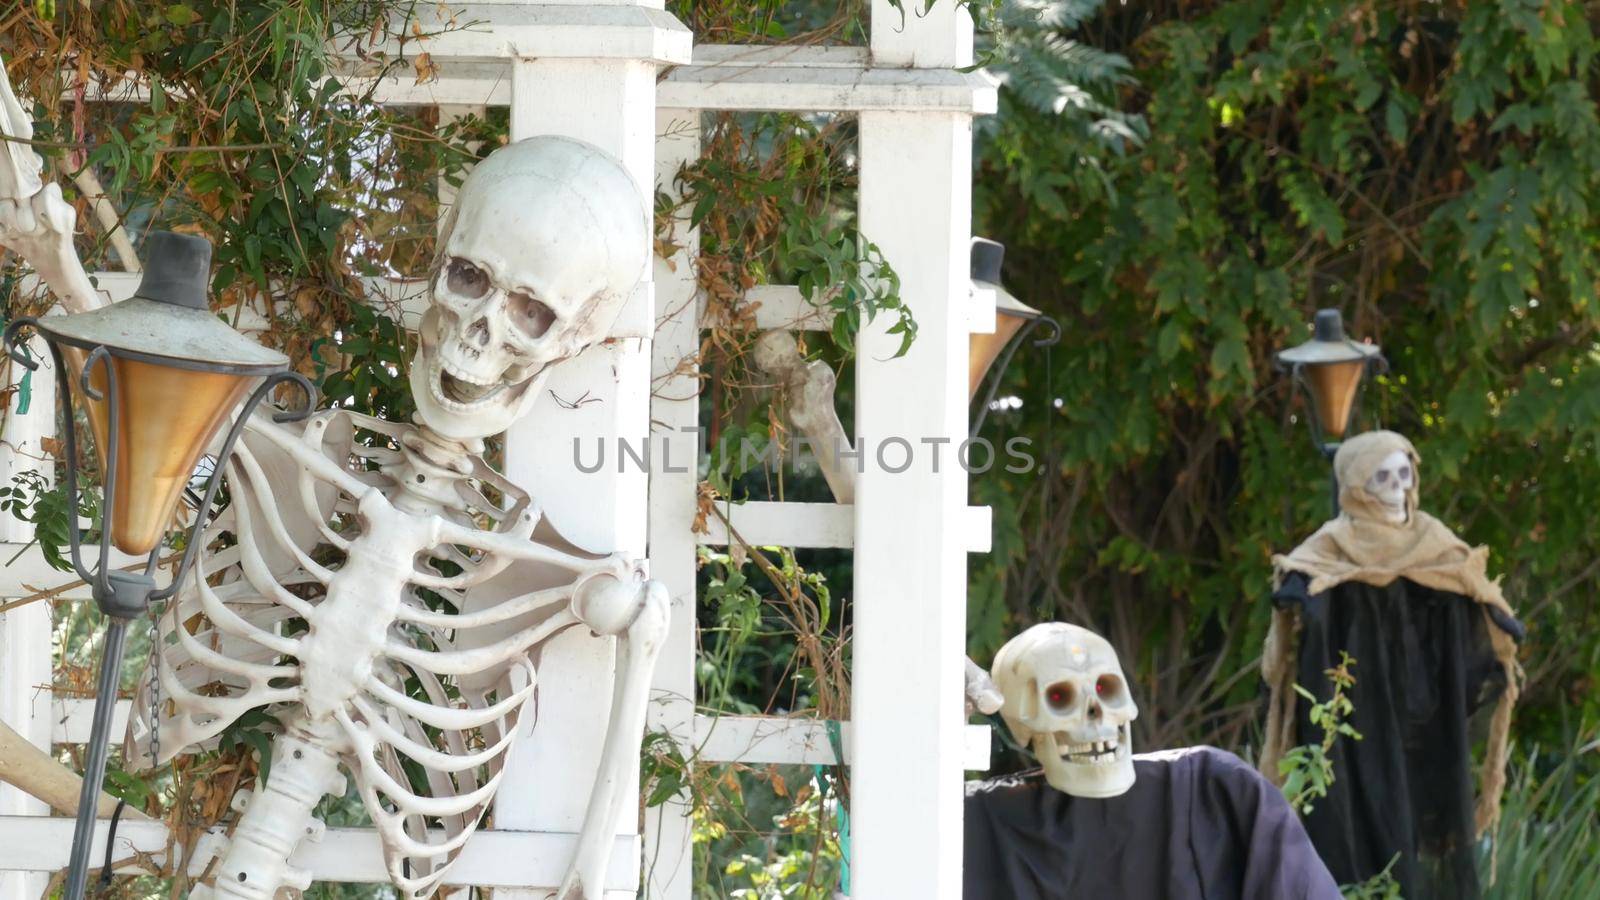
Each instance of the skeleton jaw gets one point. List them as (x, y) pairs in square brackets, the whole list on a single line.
[(1094, 769), (1394, 508), (460, 401), (459, 391), (1094, 753)]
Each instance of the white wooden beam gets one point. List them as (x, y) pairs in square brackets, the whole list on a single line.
[(562, 82), (494, 858), (761, 740), (781, 307), (489, 31), (910, 565), (805, 88), (25, 646), (72, 718), (473, 69), (675, 412), (24, 572), (771, 523)]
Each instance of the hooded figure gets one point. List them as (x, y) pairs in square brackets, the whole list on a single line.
[(1433, 641)]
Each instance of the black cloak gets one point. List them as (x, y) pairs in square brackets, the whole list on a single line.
[(1424, 665), (1198, 824)]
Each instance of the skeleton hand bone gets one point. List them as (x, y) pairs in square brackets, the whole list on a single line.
[(36, 222), (983, 695)]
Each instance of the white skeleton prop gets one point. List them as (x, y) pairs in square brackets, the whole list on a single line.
[(1393, 484), (810, 387), (384, 602), (35, 222), (1068, 702)]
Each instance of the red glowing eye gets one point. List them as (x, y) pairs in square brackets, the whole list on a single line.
[(1059, 696), (1109, 688)]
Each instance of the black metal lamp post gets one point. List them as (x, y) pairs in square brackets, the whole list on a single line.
[(1013, 321), (157, 375), (1331, 369)]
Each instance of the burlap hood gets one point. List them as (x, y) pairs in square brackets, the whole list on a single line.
[(1360, 544)]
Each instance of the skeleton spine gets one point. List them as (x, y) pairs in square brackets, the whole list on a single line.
[(255, 862)]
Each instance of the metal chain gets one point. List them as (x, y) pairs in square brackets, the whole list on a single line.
[(155, 687)]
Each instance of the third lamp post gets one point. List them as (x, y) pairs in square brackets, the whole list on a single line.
[(1331, 368)]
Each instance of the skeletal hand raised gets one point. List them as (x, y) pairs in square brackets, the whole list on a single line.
[(982, 694), (35, 222)]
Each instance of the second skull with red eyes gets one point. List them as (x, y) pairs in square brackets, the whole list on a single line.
[(545, 243), (1067, 700)]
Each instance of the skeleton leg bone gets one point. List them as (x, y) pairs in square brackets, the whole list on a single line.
[(640, 623)]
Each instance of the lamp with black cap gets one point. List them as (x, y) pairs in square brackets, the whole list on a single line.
[(157, 376), (1013, 321), (1331, 368)]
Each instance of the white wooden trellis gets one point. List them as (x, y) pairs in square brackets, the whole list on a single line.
[(591, 70)]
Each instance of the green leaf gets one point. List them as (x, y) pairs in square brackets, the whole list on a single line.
[(181, 14)]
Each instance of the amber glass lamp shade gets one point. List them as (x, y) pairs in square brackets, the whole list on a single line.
[(175, 374), (1333, 394), (168, 416), (984, 348), (1332, 367), (1010, 314)]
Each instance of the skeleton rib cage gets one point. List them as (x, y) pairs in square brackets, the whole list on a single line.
[(416, 675)]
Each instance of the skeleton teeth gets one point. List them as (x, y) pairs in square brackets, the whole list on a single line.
[(1094, 752), (459, 392)]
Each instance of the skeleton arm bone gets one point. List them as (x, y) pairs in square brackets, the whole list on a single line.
[(638, 615), (513, 547), (35, 222), (811, 389)]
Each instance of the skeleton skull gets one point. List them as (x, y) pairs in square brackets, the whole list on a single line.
[(1391, 485), (546, 241), (1067, 700)]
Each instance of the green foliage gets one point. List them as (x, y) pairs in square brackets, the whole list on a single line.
[(805, 864), (1307, 770), (377, 352), (1430, 169), (773, 199), (1381, 886), (1547, 842), (42, 504)]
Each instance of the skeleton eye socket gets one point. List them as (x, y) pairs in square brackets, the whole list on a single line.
[(531, 317), (466, 279), (1382, 476), (1109, 688), (1404, 473), (1059, 696)]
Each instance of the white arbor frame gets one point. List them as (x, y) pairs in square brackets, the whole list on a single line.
[(590, 70)]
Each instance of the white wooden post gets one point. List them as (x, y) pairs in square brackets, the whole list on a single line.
[(603, 395), (25, 659), (910, 547), (675, 413)]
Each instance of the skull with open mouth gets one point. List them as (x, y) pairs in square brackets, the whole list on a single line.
[(1067, 700), (546, 240)]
